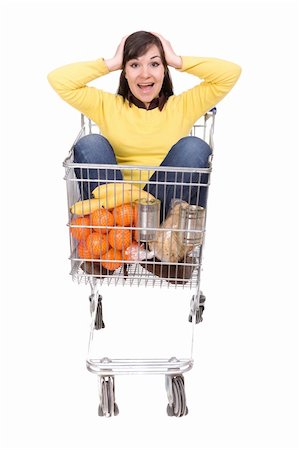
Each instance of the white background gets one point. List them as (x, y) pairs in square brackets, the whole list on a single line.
[(243, 390)]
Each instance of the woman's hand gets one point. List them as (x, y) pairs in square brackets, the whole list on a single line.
[(172, 58), (116, 62)]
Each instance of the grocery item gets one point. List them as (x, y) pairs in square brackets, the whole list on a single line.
[(135, 252), (97, 244), (168, 245), (124, 215), (147, 218), (191, 224), (79, 227), (114, 258), (84, 252), (84, 207), (111, 195), (102, 218), (110, 189), (119, 238)]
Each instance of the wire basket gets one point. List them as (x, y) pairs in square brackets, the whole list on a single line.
[(125, 230)]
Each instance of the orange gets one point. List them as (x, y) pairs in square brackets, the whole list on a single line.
[(135, 215), (112, 255), (97, 244), (136, 235), (124, 215), (119, 238), (80, 232), (83, 251), (102, 217)]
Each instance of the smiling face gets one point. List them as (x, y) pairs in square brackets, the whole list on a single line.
[(145, 75)]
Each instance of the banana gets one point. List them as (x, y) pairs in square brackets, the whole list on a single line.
[(84, 207), (110, 189), (128, 196), (112, 195)]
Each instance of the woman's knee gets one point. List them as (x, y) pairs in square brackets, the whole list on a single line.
[(195, 151), (93, 148), (189, 151)]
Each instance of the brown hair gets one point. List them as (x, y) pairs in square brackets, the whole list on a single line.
[(137, 45)]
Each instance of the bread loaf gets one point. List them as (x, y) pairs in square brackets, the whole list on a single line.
[(168, 244)]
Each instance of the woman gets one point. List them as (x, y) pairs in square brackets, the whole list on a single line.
[(145, 124)]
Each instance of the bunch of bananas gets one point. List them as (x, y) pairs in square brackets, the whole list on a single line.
[(110, 196)]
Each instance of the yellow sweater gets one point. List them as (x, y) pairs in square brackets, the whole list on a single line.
[(139, 136)]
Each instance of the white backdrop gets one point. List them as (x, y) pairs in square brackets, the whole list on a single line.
[(243, 390)]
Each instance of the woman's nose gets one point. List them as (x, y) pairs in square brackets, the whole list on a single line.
[(145, 72)]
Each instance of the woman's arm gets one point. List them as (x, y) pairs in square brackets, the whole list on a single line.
[(219, 77), (70, 82), (115, 63), (171, 57)]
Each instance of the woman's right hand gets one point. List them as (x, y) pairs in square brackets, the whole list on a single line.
[(116, 62)]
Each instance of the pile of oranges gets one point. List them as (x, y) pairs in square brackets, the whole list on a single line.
[(105, 235)]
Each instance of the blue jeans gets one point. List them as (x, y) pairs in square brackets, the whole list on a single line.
[(190, 151)]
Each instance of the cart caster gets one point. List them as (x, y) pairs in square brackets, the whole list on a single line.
[(199, 311), (91, 303), (176, 396), (98, 323), (107, 406)]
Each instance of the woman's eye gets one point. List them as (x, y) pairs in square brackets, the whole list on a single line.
[(155, 64), (134, 65)]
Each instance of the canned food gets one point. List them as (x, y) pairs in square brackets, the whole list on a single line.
[(191, 224), (147, 217)]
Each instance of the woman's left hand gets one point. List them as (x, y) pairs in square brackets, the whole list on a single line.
[(172, 58)]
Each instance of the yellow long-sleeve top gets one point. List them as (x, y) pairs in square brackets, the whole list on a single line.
[(140, 136)]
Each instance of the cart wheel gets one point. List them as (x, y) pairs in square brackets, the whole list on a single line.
[(169, 410), (116, 410), (98, 323), (199, 311), (177, 406), (176, 398), (91, 303), (100, 411), (107, 406), (182, 394)]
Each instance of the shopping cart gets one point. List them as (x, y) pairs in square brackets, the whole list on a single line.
[(121, 235)]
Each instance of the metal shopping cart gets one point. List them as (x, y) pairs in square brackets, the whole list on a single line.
[(121, 235)]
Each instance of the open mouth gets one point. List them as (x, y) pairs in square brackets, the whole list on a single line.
[(145, 88)]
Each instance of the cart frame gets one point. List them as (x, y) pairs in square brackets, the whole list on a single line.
[(143, 273)]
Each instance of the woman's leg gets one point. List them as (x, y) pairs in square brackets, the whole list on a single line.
[(94, 149), (189, 151)]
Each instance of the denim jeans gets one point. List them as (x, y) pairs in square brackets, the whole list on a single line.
[(190, 151)]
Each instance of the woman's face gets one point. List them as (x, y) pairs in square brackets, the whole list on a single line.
[(145, 75)]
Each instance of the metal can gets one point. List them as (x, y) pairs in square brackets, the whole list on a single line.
[(147, 218), (191, 224)]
